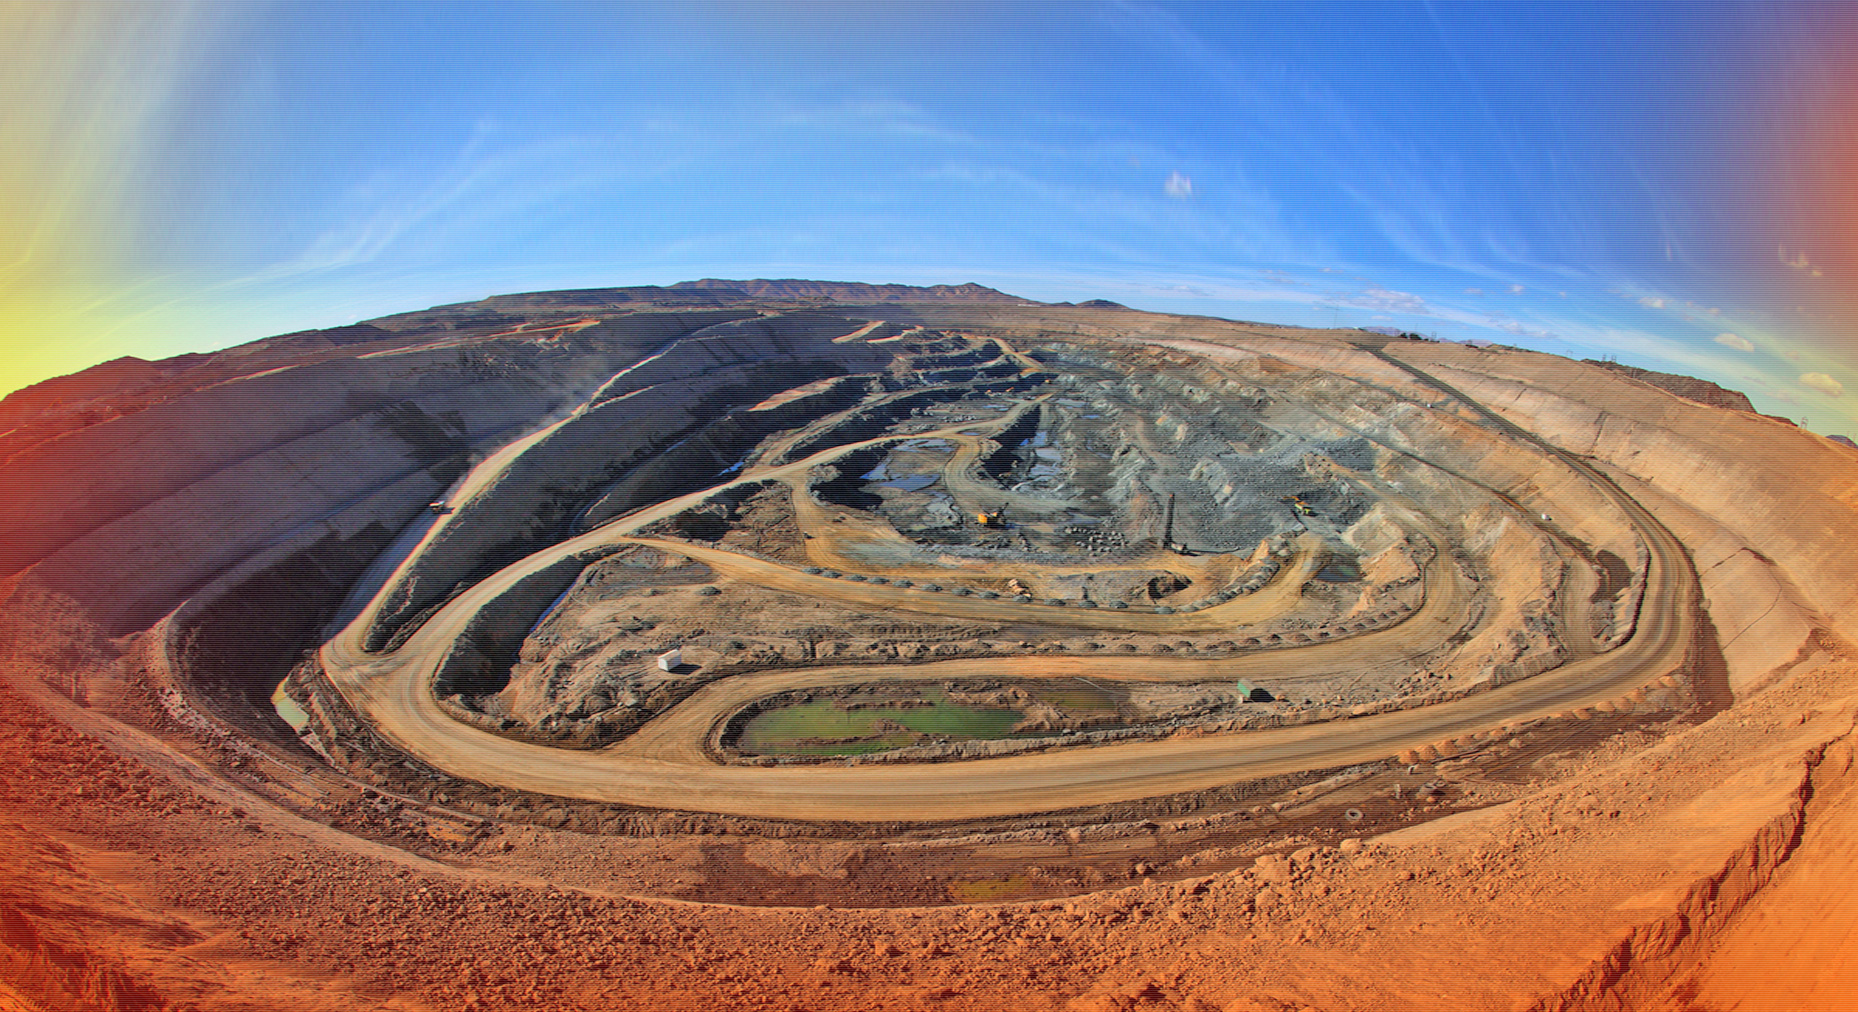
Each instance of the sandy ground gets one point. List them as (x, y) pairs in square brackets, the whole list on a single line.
[(137, 880)]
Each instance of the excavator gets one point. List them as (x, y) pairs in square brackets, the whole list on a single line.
[(1296, 503), (995, 519)]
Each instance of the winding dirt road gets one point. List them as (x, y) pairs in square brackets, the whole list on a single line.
[(663, 765)]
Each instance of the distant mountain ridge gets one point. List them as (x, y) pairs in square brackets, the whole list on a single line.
[(706, 292), (854, 291)]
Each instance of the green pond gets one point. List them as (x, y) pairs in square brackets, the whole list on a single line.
[(784, 731), (288, 709)]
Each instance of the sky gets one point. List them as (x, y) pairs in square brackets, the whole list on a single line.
[(1659, 183)]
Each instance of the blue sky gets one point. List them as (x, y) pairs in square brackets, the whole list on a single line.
[(1584, 179)]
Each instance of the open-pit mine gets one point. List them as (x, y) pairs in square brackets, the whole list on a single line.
[(787, 645)]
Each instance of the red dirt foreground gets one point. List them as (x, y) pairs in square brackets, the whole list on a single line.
[(167, 843)]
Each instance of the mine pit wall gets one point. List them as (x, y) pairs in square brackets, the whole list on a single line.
[(1762, 620), (1523, 587), (133, 569), (873, 420), (840, 483), (536, 498), (234, 639), (741, 342), (697, 462), (138, 511), (985, 352), (1758, 525), (234, 649), (478, 662), (999, 454), (57, 491), (537, 494), (868, 422), (54, 492), (1537, 483), (998, 369)]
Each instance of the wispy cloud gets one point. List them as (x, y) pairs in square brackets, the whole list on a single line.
[(1164, 30), (1178, 186), (1388, 299), (1823, 383), (483, 187), (872, 116), (1736, 341)]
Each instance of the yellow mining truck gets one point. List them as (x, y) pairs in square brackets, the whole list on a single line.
[(1296, 503)]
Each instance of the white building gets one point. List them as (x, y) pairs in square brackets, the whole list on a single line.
[(670, 659)]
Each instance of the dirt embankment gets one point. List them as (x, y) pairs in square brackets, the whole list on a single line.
[(1493, 907), (1688, 387), (131, 514)]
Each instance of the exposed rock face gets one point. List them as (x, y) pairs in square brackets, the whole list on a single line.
[(645, 408), (1688, 387), (141, 506)]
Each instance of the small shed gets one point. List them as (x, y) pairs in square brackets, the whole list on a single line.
[(670, 659)]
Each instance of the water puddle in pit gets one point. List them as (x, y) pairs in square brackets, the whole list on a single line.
[(823, 727), (911, 482), (288, 709), (1339, 571)]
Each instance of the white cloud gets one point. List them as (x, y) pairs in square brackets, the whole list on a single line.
[(1178, 186), (1651, 302), (1474, 291), (1736, 341), (1521, 329), (1823, 383), (1516, 289), (1388, 299)]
